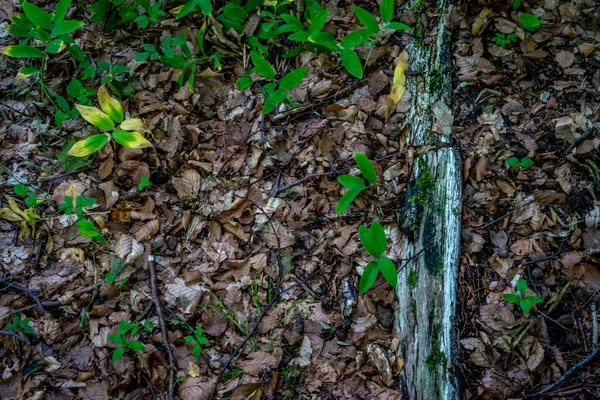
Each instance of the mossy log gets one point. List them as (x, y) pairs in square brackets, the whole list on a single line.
[(430, 219)]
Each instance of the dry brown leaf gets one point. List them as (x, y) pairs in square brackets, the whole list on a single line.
[(199, 388), (496, 317), (255, 363), (147, 231), (188, 185), (565, 58), (478, 351), (128, 249), (591, 241), (480, 169)]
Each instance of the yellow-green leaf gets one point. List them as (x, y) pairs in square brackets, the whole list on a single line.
[(95, 117), (12, 204), (134, 124), (110, 105), (133, 140), (20, 51), (9, 215), (88, 146)]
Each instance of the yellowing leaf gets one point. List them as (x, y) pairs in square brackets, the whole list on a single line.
[(398, 84), (479, 21), (95, 117), (134, 124), (9, 215), (12, 204), (175, 11), (88, 146), (110, 105), (133, 140)]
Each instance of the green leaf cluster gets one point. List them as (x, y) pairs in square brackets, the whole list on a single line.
[(30, 198), (355, 184), (522, 164), (504, 40), (525, 302), (125, 330), (375, 243), (86, 227), (198, 340), (144, 183), (19, 325), (204, 5), (112, 14)]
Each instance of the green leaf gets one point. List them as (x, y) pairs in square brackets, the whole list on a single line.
[(95, 117), (318, 22), (20, 190), (186, 9), (356, 38), (378, 239), (67, 205), (206, 7), (388, 270), (525, 305), (513, 162), (136, 346), (189, 339), (88, 146), (262, 65), (527, 162), (64, 27), (117, 354), (299, 36), (322, 38), (110, 106), (351, 182), (511, 298), (54, 46), (277, 97), (21, 51), (386, 10), (292, 53), (366, 238), (397, 26), (203, 340), (196, 350), (110, 278), (144, 183), (351, 62), (366, 167), (32, 201), (368, 277), (346, 200), (366, 18), (244, 82), (522, 286), (28, 71), (292, 79), (88, 230), (83, 202), (133, 140), (291, 20), (118, 339), (70, 163), (534, 299), (516, 4), (61, 10), (37, 15), (530, 22)]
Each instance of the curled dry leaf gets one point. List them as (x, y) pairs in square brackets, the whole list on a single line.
[(147, 231), (188, 185), (128, 249), (257, 362), (378, 358)]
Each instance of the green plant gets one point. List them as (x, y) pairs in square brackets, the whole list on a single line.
[(192, 5), (86, 227), (30, 198), (152, 13), (144, 183), (105, 120), (198, 340), (234, 14), (375, 242), (116, 267), (530, 22), (118, 78), (503, 40), (120, 13), (19, 325), (125, 329), (522, 164), (70, 163), (525, 302), (274, 92), (516, 4), (354, 184), (51, 30), (26, 218)]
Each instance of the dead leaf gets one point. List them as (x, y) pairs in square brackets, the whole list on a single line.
[(255, 363), (128, 249)]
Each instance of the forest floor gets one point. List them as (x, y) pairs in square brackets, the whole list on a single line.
[(239, 212)]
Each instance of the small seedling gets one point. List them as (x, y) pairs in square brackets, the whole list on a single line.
[(116, 267), (503, 40), (198, 339), (375, 242), (86, 227), (120, 338), (148, 325), (524, 302), (19, 325), (530, 22), (144, 183), (30, 199), (522, 164), (354, 183), (27, 218)]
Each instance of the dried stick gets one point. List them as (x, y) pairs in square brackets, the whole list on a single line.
[(63, 301), (149, 260), (30, 292), (568, 374), (15, 335)]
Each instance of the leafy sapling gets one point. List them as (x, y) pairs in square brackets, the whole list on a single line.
[(30, 198), (355, 184), (86, 227), (504, 40), (525, 302), (19, 325), (522, 164), (144, 183), (198, 340), (124, 331), (375, 242)]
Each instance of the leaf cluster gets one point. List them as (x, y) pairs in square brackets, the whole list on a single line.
[(504, 40), (375, 242), (116, 267), (114, 14), (355, 184), (30, 198), (522, 164), (125, 330), (525, 302), (19, 325), (86, 227), (198, 340), (26, 218)]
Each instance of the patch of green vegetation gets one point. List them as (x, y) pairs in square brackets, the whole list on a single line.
[(413, 279), (424, 184), (413, 308), (436, 357)]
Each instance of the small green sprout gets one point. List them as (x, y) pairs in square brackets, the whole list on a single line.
[(375, 242), (503, 40), (354, 183), (198, 339), (30, 199), (530, 22), (144, 183), (19, 324), (524, 302), (522, 164), (120, 338)]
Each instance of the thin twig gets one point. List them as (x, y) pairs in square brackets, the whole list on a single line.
[(149, 260), (61, 302), (50, 178), (568, 374), (30, 292), (581, 139), (15, 335)]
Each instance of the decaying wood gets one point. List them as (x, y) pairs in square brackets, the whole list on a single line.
[(430, 217)]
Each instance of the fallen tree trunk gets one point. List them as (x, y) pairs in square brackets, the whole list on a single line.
[(430, 219)]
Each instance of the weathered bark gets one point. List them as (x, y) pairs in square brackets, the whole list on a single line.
[(430, 221)]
